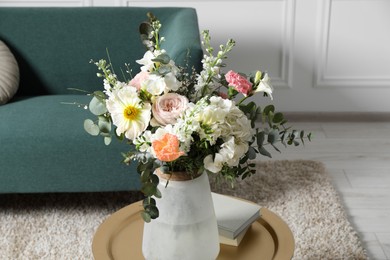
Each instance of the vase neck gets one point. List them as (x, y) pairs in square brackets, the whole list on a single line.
[(176, 176)]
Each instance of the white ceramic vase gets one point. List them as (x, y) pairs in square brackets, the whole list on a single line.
[(186, 228)]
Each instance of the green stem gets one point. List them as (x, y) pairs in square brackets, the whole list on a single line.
[(242, 100)]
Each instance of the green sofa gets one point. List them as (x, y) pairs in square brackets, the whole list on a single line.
[(43, 145)]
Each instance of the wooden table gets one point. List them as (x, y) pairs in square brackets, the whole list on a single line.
[(120, 237)]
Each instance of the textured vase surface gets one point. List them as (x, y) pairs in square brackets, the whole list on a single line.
[(186, 228)]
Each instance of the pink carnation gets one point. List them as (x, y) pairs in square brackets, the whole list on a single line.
[(239, 82)]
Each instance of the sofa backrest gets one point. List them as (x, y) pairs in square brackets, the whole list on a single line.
[(53, 46)]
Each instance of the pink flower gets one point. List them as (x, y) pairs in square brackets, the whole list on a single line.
[(167, 148), (167, 108), (138, 79), (239, 82)]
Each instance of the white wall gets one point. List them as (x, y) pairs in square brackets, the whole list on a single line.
[(323, 55)]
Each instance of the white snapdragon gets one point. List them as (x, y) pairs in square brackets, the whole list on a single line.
[(146, 61), (171, 82), (265, 86)]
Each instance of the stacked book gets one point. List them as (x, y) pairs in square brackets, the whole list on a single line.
[(234, 218)]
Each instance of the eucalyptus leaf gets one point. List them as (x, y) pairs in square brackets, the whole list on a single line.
[(99, 95), (104, 124), (145, 174), (268, 109), (264, 152), (278, 118), (154, 179), (91, 128), (260, 139), (97, 107), (152, 210), (163, 58), (273, 136), (107, 140), (251, 153), (157, 194), (146, 216), (149, 189)]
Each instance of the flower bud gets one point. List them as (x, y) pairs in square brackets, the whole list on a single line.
[(258, 77)]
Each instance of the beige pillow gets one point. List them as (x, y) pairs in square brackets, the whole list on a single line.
[(9, 74)]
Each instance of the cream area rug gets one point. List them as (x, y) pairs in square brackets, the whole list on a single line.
[(61, 226)]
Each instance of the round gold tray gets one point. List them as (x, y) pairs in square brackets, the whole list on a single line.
[(120, 237)]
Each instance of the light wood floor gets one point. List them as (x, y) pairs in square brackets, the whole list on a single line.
[(357, 155)]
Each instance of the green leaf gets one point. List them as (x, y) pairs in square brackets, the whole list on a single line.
[(97, 107), (149, 189), (152, 210), (264, 152), (260, 139), (107, 140), (251, 153), (163, 58), (245, 175), (157, 194), (273, 136), (278, 118), (268, 109), (99, 95), (146, 216), (144, 175), (104, 124), (276, 148), (154, 179), (91, 128), (148, 201)]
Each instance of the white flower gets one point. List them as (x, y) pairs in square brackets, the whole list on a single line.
[(147, 61), (215, 165), (265, 86), (155, 85), (171, 82), (128, 113), (231, 151), (143, 142)]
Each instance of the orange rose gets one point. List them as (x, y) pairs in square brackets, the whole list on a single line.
[(167, 148)]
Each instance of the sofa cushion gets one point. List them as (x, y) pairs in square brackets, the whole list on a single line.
[(44, 148), (9, 74)]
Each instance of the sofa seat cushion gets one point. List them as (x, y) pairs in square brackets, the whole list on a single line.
[(44, 148)]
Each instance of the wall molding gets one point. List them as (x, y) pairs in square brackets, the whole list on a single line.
[(284, 80), (287, 63), (321, 80)]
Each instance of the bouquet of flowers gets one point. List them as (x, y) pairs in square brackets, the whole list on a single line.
[(177, 119)]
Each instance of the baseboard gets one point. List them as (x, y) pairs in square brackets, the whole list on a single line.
[(337, 116)]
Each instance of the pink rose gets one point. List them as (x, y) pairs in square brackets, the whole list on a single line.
[(239, 82), (138, 79), (167, 108)]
